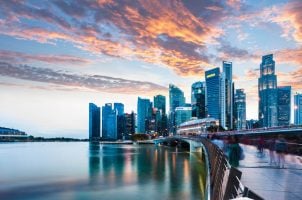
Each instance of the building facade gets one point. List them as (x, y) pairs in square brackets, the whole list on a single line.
[(121, 120), (182, 114), (240, 110), (94, 122), (129, 125), (228, 94), (109, 122), (198, 101), (176, 99), (160, 115), (284, 105), (144, 114), (298, 109), (267, 90), (212, 78)]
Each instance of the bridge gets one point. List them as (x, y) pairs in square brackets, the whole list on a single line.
[(222, 180), (265, 131)]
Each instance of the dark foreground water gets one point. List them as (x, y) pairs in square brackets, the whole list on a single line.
[(93, 171)]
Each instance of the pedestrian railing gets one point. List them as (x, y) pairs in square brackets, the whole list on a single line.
[(224, 180)]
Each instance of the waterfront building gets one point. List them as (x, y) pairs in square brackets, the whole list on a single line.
[(198, 101), (94, 122), (129, 125), (121, 121), (10, 131), (298, 109), (182, 114), (176, 99), (240, 109), (160, 103), (284, 105), (216, 95), (109, 122), (267, 90), (144, 114), (228, 93), (197, 126)]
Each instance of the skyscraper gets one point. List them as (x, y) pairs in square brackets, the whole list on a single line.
[(121, 120), (119, 107), (240, 109), (130, 125), (227, 70), (213, 92), (160, 114), (267, 87), (109, 122), (284, 105), (160, 103), (298, 109), (94, 122), (198, 95), (177, 99), (144, 113)]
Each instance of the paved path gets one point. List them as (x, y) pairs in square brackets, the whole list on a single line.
[(271, 182)]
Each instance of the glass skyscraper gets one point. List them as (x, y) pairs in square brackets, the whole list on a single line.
[(177, 99), (213, 93), (240, 109), (121, 120), (182, 114), (284, 105), (228, 73), (94, 122), (144, 113), (267, 90), (160, 114), (109, 122), (298, 109), (198, 95)]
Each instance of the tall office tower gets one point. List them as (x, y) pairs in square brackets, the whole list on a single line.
[(215, 95), (121, 120), (284, 105), (240, 110), (94, 122), (227, 70), (298, 109), (176, 99), (160, 103), (198, 95), (109, 122), (182, 114), (144, 113), (267, 88), (160, 114), (119, 107), (130, 125)]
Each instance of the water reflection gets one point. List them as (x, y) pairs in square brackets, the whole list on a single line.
[(94, 171), (153, 172)]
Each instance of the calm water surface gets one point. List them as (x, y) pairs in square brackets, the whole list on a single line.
[(92, 171)]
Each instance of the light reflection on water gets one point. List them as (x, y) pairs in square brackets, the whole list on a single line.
[(94, 171)]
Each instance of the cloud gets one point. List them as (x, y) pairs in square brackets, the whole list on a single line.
[(289, 56), (170, 33), (290, 19), (86, 82), (20, 57)]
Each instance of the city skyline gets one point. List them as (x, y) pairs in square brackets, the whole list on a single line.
[(57, 56)]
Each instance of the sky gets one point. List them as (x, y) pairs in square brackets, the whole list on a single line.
[(57, 56)]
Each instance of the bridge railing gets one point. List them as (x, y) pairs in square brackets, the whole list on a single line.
[(224, 179)]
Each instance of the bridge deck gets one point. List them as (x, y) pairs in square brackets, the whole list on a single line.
[(271, 182)]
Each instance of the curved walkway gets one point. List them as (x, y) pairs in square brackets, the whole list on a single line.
[(268, 181)]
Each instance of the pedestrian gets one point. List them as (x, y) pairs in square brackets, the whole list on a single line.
[(260, 144), (216, 141), (271, 148), (281, 148), (234, 151)]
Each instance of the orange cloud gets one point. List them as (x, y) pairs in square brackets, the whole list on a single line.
[(169, 33)]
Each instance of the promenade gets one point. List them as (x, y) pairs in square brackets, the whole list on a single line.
[(268, 181)]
